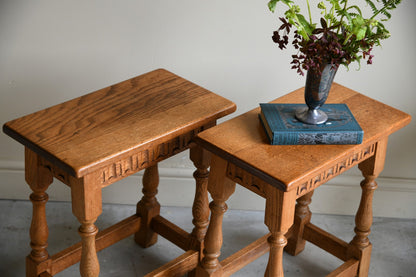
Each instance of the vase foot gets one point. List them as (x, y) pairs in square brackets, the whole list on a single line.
[(310, 116)]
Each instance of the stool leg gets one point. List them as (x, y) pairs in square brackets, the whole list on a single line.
[(279, 216), (87, 206), (200, 208), (220, 189), (89, 265), (360, 246), (148, 207), (277, 242), (303, 215), (39, 179)]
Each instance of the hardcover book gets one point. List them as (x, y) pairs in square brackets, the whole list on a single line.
[(283, 128)]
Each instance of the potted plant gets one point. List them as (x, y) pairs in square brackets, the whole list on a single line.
[(344, 35)]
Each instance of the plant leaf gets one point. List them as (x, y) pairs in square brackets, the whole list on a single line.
[(361, 33), (308, 27), (272, 5), (356, 8)]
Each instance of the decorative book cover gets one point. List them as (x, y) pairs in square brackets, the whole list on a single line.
[(283, 128)]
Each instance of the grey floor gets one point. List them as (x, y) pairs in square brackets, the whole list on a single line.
[(394, 247)]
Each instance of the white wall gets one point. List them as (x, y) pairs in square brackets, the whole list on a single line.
[(51, 51)]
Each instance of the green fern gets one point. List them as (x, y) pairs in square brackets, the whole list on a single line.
[(355, 33), (372, 6), (356, 8), (387, 5)]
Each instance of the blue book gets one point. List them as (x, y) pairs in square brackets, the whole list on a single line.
[(283, 128)]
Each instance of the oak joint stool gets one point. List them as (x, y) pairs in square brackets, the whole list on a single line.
[(286, 176), (95, 140)]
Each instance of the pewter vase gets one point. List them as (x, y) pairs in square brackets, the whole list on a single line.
[(316, 92)]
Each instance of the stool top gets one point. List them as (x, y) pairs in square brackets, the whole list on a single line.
[(243, 141), (91, 131)]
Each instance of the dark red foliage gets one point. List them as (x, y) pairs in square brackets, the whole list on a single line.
[(323, 47)]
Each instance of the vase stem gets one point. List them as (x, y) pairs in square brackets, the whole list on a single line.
[(316, 92), (311, 116)]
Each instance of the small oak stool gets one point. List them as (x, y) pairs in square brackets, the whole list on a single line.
[(95, 140), (284, 175)]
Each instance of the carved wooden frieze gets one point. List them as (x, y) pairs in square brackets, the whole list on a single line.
[(246, 179), (257, 185), (133, 163), (56, 172), (145, 158), (336, 169)]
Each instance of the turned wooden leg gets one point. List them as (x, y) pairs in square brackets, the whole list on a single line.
[(212, 250), (87, 206), (303, 215), (200, 209), (360, 246), (220, 189), (148, 207), (279, 216), (39, 179), (39, 228), (277, 242), (89, 265)]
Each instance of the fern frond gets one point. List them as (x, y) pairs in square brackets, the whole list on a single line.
[(387, 5), (380, 26), (335, 4), (344, 13), (354, 15), (391, 4), (372, 6), (334, 20), (386, 14), (356, 8)]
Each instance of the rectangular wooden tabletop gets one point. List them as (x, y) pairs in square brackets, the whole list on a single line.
[(243, 141), (95, 129)]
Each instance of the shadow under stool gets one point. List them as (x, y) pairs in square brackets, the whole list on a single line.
[(95, 140), (286, 176)]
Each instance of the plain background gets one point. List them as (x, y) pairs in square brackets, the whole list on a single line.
[(52, 51)]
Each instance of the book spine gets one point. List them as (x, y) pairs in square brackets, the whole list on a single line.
[(285, 138), (311, 138), (266, 127)]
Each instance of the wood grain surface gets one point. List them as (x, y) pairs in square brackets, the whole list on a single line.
[(243, 141), (101, 127)]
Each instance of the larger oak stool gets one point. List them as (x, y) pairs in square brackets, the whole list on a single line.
[(286, 176), (95, 140)]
